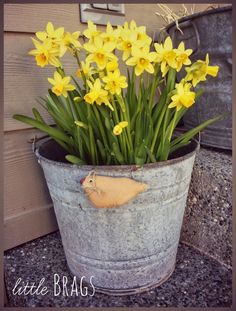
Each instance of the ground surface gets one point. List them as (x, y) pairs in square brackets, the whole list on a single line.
[(196, 282), (208, 215)]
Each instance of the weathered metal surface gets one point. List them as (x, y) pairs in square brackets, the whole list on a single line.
[(210, 32), (127, 248)]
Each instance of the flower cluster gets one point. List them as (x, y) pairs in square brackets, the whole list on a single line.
[(135, 46), (106, 116)]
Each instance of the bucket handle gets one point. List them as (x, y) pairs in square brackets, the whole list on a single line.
[(34, 141), (190, 23)]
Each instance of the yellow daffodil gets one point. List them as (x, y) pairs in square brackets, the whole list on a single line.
[(91, 32), (141, 59), (183, 97), (199, 70), (182, 56), (55, 35), (97, 94), (115, 82), (111, 35), (70, 41), (112, 65), (127, 40), (117, 130), (141, 35), (100, 52), (45, 54), (165, 55), (86, 69), (61, 85)]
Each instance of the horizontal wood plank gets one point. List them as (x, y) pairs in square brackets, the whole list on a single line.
[(25, 188), (29, 226), (33, 17), (24, 81)]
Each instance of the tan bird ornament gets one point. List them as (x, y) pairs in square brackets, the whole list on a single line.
[(106, 192)]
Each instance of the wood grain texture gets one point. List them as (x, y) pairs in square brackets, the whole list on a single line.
[(25, 188), (29, 226), (33, 17), (24, 81)]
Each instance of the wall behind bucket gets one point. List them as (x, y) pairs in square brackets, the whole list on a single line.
[(210, 32)]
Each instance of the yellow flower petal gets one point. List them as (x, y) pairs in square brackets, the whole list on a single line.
[(168, 44), (212, 70)]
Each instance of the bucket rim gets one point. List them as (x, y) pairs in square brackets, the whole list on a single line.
[(199, 14), (131, 167)]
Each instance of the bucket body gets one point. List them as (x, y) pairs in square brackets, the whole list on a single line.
[(210, 32), (128, 248)]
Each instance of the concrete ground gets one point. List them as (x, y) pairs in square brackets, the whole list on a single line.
[(196, 282)]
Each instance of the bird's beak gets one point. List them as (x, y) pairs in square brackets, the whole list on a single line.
[(82, 180)]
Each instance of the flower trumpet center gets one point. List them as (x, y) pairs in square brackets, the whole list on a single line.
[(58, 89), (142, 61), (41, 59), (100, 56)]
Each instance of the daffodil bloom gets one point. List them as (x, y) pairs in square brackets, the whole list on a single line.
[(97, 94), (142, 60), (100, 52), (183, 97), (91, 32), (115, 82), (182, 56), (141, 35), (55, 35), (112, 65), (86, 69), (61, 85), (165, 55), (128, 39), (111, 35), (199, 70), (70, 39), (45, 54), (117, 130)]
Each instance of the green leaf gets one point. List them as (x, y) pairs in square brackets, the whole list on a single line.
[(150, 154), (191, 133), (101, 150), (37, 115), (74, 160), (43, 127), (118, 154), (179, 145)]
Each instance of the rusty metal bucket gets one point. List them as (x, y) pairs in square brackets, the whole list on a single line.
[(130, 248), (210, 32)]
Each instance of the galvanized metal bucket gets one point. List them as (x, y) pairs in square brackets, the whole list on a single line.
[(130, 248), (210, 32)]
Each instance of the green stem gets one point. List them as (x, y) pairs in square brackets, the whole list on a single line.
[(120, 137), (157, 129), (173, 123), (127, 118), (80, 66), (153, 88), (91, 137), (101, 127)]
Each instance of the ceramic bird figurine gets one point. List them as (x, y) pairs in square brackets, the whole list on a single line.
[(106, 192)]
